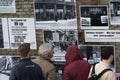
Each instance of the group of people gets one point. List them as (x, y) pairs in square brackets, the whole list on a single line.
[(75, 67)]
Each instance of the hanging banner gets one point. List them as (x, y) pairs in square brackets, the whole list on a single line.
[(22, 30), (102, 35), (4, 40)]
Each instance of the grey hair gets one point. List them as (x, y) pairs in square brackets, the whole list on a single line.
[(44, 50)]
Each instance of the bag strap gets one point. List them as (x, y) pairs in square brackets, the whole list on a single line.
[(93, 70), (100, 74), (105, 70)]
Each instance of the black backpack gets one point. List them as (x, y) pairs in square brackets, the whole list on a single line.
[(95, 76)]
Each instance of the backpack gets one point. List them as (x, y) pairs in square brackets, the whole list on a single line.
[(95, 76)]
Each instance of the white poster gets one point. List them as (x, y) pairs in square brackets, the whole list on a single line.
[(22, 30), (94, 17), (7, 6), (102, 35), (4, 39)]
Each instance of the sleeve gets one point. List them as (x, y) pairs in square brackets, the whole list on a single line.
[(52, 74), (12, 75), (66, 75)]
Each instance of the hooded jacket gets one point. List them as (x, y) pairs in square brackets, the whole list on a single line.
[(75, 67)]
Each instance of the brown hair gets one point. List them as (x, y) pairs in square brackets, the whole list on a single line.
[(24, 49)]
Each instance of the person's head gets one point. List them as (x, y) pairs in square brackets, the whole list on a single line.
[(46, 51), (73, 53), (23, 50), (107, 53)]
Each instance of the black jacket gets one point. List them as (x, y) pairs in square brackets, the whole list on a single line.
[(26, 70)]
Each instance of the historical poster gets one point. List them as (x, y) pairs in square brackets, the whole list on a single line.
[(56, 14), (61, 39), (22, 30), (94, 17)]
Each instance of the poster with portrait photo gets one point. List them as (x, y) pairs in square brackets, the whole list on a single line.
[(94, 17), (4, 39), (60, 39), (115, 12), (22, 30), (6, 64), (56, 14), (92, 53)]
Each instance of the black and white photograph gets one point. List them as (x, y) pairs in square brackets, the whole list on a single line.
[(115, 12), (92, 53), (6, 63), (61, 39), (55, 14), (94, 17), (4, 39)]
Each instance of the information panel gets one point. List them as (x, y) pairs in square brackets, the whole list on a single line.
[(22, 30), (102, 35)]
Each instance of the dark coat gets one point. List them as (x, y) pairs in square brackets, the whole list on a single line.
[(26, 70)]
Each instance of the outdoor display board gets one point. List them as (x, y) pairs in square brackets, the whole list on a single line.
[(22, 30)]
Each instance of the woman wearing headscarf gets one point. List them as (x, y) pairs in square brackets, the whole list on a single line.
[(75, 67)]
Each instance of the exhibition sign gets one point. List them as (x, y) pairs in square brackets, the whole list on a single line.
[(7, 6), (22, 30), (102, 35), (4, 38)]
